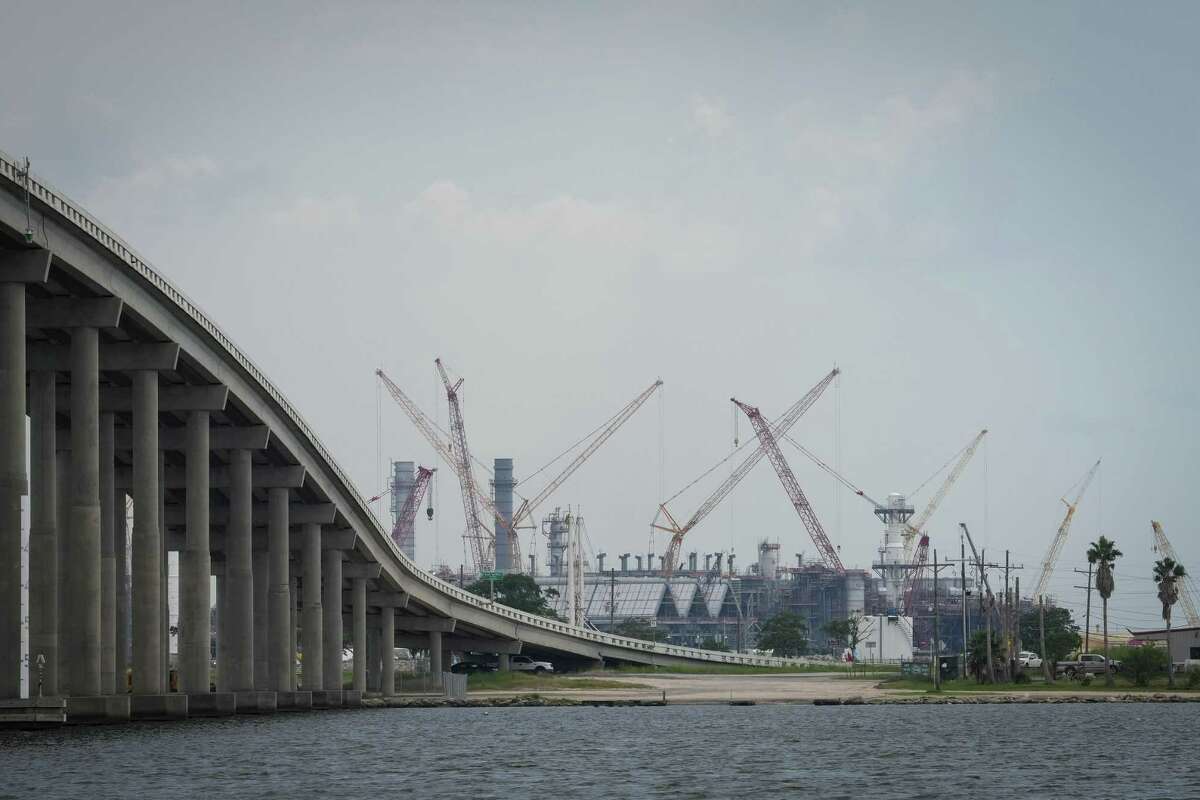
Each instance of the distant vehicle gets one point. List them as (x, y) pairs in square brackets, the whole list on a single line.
[(1030, 660), (527, 664), (472, 667), (1087, 664)]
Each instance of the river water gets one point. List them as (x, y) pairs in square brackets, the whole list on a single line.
[(1128, 751)]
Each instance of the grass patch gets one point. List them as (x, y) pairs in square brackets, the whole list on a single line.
[(501, 681), (962, 686), (742, 669)]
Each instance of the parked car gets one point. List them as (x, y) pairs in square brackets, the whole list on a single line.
[(527, 664), (1030, 660), (1087, 664), (471, 668)]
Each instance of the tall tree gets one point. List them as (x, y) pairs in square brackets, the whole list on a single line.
[(518, 591), (1103, 553), (1062, 634), (785, 634), (1166, 573)]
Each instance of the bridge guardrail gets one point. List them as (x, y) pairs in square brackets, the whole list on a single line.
[(115, 245)]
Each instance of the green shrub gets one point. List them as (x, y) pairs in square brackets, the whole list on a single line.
[(1085, 678), (1142, 663), (1193, 678), (1021, 677)]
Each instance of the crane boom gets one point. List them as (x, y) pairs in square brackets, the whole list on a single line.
[(804, 508), (912, 579), (529, 506), (402, 532), (913, 529), (461, 458), (1060, 538), (1185, 590), (778, 428)]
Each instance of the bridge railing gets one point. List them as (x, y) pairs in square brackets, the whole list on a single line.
[(114, 244)]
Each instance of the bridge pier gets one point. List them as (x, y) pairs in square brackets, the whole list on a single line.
[(195, 563), (279, 625), (239, 577), (311, 622), (436, 656), (332, 623), (360, 634), (108, 556), (43, 538), (83, 542), (13, 480), (387, 647), (147, 548)]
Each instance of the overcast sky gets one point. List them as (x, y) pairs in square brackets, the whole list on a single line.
[(985, 215)]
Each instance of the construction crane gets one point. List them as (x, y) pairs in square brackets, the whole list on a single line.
[(402, 532), (482, 547), (912, 579), (778, 428), (1186, 595), (804, 508), (913, 528), (459, 459), (1060, 538)]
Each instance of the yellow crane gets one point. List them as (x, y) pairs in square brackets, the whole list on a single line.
[(1163, 547), (1060, 538)]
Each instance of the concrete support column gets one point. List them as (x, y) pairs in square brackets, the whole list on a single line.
[(293, 597), (83, 567), (13, 482), (121, 581), (62, 502), (435, 655), (387, 647), (43, 538), (310, 624), (224, 671), (108, 556), (504, 664), (261, 562), (332, 608), (164, 618), (146, 600), (373, 669), (195, 562), (239, 576), (360, 634), (280, 599)]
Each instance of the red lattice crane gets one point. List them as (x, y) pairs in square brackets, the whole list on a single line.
[(767, 439), (482, 545), (918, 571), (778, 428), (402, 532)]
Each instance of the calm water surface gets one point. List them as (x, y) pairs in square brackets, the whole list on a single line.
[(1135, 751)]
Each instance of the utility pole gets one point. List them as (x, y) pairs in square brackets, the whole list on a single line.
[(937, 628), (1005, 621), (991, 603), (1042, 635), (962, 586), (1017, 626), (1087, 619)]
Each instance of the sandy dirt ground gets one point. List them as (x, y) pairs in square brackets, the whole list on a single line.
[(770, 688)]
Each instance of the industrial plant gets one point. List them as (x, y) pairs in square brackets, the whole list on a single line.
[(710, 599)]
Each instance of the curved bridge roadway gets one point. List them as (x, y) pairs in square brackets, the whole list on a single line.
[(131, 389)]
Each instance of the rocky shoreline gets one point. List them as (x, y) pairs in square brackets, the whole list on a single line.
[(1007, 699)]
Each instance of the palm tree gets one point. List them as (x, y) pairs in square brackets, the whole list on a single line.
[(1166, 573), (1103, 553)]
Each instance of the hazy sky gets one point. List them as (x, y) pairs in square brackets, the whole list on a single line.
[(984, 214)]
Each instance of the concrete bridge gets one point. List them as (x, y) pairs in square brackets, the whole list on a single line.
[(131, 393)]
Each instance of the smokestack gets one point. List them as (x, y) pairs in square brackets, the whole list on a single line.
[(600, 561), (624, 562), (639, 562), (503, 468), (692, 561)]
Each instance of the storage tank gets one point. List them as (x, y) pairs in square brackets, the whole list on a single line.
[(856, 594)]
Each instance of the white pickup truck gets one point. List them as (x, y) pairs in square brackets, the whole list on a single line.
[(527, 664)]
